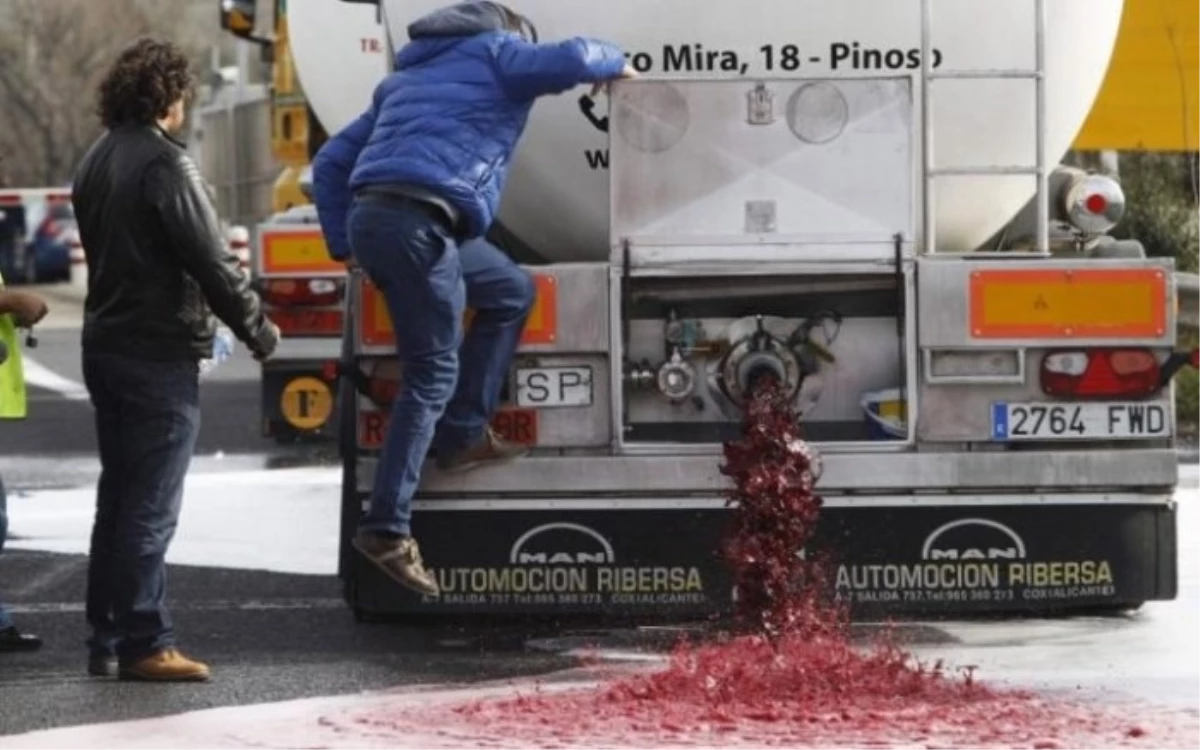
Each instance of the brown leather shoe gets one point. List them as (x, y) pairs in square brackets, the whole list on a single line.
[(400, 559), (491, 448), (167, 665)]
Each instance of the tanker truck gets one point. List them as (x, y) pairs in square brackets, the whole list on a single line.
[(863, 200)]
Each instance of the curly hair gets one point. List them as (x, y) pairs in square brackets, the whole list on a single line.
[(142, 84)]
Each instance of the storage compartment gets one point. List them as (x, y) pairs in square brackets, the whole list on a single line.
[(696, 347)]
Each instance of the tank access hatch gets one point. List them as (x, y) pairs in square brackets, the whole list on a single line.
[(762, 227)]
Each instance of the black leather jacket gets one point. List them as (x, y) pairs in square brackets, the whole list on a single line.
[(158, 265)]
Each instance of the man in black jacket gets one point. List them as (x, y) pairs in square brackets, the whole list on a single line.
[(158, 268)]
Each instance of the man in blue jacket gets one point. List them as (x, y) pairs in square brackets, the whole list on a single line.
[(411, 186)]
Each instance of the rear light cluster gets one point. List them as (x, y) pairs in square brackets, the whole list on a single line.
[(383, 381), (303, 292), (380, 382), (305, 307), (1096, 373)]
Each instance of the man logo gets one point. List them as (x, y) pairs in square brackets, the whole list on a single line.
[(973, 539), (561, 544)]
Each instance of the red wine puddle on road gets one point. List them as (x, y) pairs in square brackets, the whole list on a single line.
[(796, 680)]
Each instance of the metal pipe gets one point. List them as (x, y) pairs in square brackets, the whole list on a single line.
[(1043, 175), (1187, 290), (930, 223)]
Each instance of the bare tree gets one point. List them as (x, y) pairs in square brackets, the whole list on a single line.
[(52, 55)]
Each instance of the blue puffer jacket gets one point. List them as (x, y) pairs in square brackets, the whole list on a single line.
[(450, 115)]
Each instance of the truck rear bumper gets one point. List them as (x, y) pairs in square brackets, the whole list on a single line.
[(1097, 473), (633, 561), (639, 536)]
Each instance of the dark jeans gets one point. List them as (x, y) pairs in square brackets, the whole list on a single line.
[(147, 419), (450, 386)]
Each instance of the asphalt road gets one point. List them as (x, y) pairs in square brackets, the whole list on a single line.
[(267, 636)]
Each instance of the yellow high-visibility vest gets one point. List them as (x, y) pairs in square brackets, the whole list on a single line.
[(12, 372)]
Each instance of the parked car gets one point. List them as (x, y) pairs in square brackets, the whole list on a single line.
[(53, 248), (12, 238)]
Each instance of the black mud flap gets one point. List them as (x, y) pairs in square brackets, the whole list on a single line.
[(652, 564)]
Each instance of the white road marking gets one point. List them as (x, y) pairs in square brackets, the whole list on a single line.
[(39, 375), (254, 605), (242, 520)]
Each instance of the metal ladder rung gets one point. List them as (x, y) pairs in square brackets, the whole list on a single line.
[(1000, 74), (1039, 171), (1031, 171)]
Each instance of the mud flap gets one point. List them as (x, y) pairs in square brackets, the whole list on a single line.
[(663, 563)]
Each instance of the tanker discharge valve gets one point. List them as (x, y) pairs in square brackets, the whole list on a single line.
[(676, 378), (755, 359)]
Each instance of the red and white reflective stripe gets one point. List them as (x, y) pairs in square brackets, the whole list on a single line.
[(17, 196), (242, 251)]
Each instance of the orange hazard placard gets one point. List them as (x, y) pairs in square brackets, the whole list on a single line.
[(297, 252), (375, 324), (515, 425), (1068, 303), (542, 325)]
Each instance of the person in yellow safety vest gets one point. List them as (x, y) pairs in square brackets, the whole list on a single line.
[(17, 309)]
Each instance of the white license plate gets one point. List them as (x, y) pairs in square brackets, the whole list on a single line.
[(1096, 421), (549, 387)]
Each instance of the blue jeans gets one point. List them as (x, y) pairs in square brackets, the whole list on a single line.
[(5, 621), (450, 386), (147, 420)]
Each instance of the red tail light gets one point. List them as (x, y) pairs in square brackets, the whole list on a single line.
[(1131, 373), (303, 292), (1195, 358), (300, 321)]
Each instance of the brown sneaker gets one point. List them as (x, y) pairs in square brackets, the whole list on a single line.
[(491, 448), (400, 559), (167, 665)]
